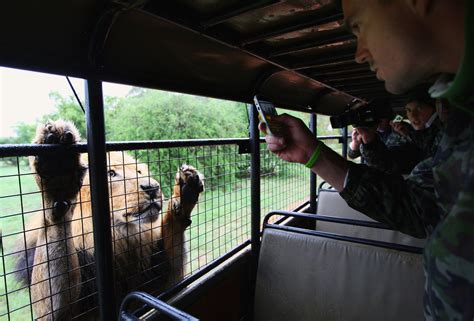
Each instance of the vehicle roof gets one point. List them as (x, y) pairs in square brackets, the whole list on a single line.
[(295, 53)]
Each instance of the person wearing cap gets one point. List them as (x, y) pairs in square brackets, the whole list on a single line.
[(426, 124), (386, 150), (407, 43), (410, 143), (382, 129)]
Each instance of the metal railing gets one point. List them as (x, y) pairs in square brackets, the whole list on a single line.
[(221, 219), (335, 236)]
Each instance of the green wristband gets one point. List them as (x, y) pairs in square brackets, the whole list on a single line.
[(314, 157)]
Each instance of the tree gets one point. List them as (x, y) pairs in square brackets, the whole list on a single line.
[(157, 115), (24, 133), (69, 109)]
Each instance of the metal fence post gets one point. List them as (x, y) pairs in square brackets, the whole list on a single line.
[(313, 180), (100, 199)]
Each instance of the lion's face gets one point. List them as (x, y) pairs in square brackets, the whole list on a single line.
[(134, 195)]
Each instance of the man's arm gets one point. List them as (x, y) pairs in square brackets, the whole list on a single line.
[(398, 159), (406, 206)]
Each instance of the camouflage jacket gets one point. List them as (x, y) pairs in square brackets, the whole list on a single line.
[(396, 154), (428, 139), (389, 139), (353, 154), (435, 201)]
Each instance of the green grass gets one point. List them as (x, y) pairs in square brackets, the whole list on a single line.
[(12, 205), (221, 220)]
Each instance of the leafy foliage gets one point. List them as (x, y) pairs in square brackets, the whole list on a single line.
[(155, 115)]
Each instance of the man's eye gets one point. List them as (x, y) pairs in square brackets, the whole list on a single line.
[(112, 173)]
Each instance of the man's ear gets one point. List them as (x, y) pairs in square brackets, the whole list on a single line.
[(420, 8)]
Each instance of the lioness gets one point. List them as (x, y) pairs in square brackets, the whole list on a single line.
[(57, 260)]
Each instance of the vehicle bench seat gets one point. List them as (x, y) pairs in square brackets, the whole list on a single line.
[(330, 203), (305, 277)]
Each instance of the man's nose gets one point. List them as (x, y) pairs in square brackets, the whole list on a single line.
[(362, 54)]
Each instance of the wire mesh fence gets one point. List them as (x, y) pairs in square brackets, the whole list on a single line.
[(284, 185), (174, 210)]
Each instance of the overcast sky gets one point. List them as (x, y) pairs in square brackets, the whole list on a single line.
[(24, 95)]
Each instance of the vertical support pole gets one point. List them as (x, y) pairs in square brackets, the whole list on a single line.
[(344, 142), (313, 180), (254, 181), (254, 200), (100, 199)]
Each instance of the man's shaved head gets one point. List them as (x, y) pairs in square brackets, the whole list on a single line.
[(405, 42)]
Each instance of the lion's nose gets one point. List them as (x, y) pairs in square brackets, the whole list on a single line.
[(150, 189)]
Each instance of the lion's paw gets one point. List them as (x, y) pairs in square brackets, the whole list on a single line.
[(57, 132), (191, 183), (58, 174)]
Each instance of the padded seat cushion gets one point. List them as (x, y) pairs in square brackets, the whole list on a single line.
[(330, 203), (305, 277)]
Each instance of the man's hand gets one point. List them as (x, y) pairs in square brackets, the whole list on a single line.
[(296, 143), (356, 140), (367, 135)]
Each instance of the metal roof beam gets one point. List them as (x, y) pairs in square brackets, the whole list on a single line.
[(333, 66), (326, 59), (313, 44), (235, 12), (365, 92), (329, 15), (369, 85), (341, 73), (343, 80)]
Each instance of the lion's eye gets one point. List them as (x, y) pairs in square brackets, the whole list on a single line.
[(112, 173), (139, 171)]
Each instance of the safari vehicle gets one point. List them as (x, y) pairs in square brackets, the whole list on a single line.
[(313, 259)]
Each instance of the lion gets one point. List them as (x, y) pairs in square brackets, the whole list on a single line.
[(56, 259)]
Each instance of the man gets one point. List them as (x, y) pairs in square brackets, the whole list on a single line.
[(399, 151), (383, 130), (421, 112), (386, 150), (406, 43)]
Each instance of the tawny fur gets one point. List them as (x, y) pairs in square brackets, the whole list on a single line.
[(148, 248)]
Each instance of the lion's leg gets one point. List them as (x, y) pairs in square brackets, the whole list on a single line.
[(25, 250), (188, 185), (56, 274)]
